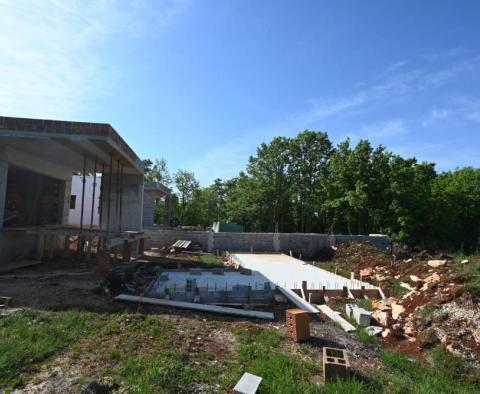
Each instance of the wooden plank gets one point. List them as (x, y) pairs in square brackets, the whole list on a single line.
[(336, 317), (199, 307)]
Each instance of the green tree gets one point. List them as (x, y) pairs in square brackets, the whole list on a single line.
[(456, 209), (310, 154), (187, 185), (157, 171), (269, 171)]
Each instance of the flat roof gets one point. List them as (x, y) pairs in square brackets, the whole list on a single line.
[(158, 188), (68, 141)]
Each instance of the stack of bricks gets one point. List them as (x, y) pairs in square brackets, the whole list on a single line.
[(335, 364), (298, 325)]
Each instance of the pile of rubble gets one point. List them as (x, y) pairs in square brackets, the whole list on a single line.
[(428, 303)]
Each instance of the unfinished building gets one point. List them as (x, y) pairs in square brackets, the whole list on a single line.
[(152, 192), (37, 160)]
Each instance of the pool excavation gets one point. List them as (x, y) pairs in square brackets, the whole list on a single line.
[(254, 280)]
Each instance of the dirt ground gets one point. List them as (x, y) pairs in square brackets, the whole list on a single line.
[(67, 284)]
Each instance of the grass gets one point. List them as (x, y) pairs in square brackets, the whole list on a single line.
[(163, 372), (471, 271), (260, 353), (29, 337), (211, 260), (362, 335), (146, 354), (365, 304), (334, 268), (441, 372)]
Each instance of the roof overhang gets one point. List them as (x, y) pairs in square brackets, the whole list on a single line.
[(158, 188), (67, 143)]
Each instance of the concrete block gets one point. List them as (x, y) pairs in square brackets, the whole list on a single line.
[(349, 310), (362, 316), (248, 384), (298, 325), (335, 364)]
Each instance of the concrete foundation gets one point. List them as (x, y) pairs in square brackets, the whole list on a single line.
[(288, 272), (217, 286)]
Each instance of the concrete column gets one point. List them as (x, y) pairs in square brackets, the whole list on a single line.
[(64, 197), (211, 242), (276, 242), (3, 189), (132, 203), (168, 210)]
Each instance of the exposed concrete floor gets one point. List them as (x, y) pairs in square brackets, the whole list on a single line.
[(208, 279), (289, 272)]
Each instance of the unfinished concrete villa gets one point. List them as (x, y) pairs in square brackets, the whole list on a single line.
[(37, 160)]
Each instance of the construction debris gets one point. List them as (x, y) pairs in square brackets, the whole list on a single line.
[(373, 330), (361, 316), (429, 301), (436, 263)]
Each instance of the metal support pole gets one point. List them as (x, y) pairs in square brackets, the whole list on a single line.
[(100, 208), (93, 193), (109, 193), (121, 199), (83, 191), (117, 196)]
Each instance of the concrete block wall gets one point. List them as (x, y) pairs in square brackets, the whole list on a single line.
[(155, 237), (244, 241), (16, 246), (306, 244)]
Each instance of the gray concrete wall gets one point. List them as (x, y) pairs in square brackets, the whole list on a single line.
[(132, 203), (16, 246), (3, 189), (306, 244), (148, 207)]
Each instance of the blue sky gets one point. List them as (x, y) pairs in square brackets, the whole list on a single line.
[(203, 83)]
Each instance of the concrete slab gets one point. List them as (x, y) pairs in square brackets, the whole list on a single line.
[(248, 384), (289, 272)]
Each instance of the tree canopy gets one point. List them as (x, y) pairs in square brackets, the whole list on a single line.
[(306, 184)]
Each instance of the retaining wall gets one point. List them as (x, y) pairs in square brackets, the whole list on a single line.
[(306, 244)]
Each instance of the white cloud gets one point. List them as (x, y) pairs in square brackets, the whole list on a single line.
[(400, 81), (457, 109), (57, 55)]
